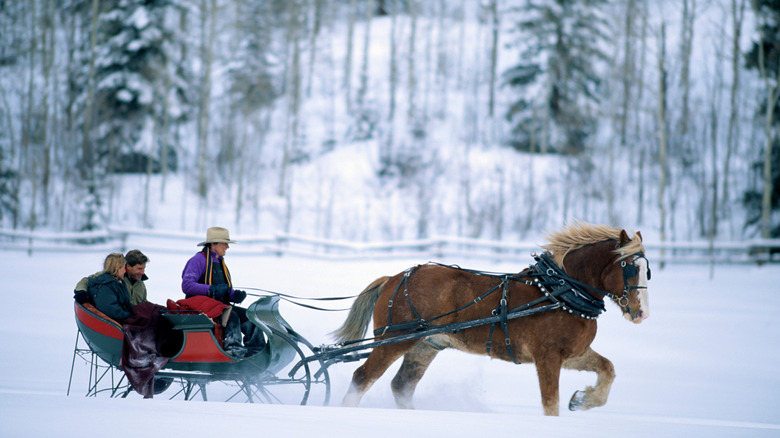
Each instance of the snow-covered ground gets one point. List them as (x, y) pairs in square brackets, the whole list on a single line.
[(706, 362)]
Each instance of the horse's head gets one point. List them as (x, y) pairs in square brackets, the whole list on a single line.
[(590, 254), (629, 275)]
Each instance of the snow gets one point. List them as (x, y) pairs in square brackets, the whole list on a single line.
[(704, 364)]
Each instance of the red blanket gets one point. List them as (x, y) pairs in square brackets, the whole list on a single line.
[(211, 307)]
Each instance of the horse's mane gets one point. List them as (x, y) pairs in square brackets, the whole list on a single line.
[(579, 234)]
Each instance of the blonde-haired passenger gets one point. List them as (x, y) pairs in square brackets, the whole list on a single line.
[(108, 291)]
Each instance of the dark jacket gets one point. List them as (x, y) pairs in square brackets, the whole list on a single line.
[(110, 296), (137, 290)]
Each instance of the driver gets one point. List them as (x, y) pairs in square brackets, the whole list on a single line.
[(207, 274)]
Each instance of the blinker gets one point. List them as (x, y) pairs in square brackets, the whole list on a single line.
[(630, 270)]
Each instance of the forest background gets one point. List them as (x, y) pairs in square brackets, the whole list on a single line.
[(391, 119)]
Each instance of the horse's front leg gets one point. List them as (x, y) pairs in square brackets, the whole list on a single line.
[(592, 396), (549, 372)]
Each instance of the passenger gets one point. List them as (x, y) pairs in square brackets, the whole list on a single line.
[(148, 341), (134, 279), (109, 292), (207, 274), (136, 275)]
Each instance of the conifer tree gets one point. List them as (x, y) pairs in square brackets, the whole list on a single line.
[(764, 56), (557, 78)]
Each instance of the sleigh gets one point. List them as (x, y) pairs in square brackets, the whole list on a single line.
[(266, 377)]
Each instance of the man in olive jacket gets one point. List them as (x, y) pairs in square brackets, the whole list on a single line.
[(134, 277)]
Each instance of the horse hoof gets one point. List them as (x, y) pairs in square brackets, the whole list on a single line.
[(577, 401)]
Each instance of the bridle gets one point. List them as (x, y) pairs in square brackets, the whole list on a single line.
[(630, 270), (546, 268)]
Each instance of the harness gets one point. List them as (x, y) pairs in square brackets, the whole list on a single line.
[(559, 291)]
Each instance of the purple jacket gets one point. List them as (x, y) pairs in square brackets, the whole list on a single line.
[(193, 271)]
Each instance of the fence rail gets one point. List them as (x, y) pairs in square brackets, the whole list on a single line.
[(755, 251)]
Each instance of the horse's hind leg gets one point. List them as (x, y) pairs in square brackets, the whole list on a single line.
[(592, 396), (377, 363), (416, 361)]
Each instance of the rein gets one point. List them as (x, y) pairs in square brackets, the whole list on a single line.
[(292, 298)]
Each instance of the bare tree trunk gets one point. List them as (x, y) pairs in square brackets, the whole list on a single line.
[(461, 44), (165, 127), (348, 58), (766, 198), (314, 36), (70, 137), (715, 105), (208, 15), (442, 78), (427, 78), (737, 16), (686, 41), (10, 130), (412, 76), (330, 87), (87, 167), (389, 140), (293, 110), (149, 161), (241, 170), (642, 7), (363, 90), (661, 120), (628, 68), (47, 59), (530, 209), (493, 58), (29, 158), (185, 168)]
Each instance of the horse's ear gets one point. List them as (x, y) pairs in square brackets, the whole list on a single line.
[(638, 233), (624, 237)]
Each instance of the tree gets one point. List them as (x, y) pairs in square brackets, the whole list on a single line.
[(661, 115), (119, 86), (561, 46), (208, 17), (764, 56), (252, 84), (130, 70)]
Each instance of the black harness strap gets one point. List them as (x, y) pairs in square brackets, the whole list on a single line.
[(421, 323), (554, 283), (383, 330), (501, 312)]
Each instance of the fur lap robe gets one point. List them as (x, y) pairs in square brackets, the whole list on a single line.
[(144, 346)]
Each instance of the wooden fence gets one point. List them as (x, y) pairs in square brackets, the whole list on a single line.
[(754, 251)]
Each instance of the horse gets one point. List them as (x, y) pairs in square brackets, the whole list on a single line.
[(583, 262)]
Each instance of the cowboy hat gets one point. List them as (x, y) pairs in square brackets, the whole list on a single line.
[(217, 235)]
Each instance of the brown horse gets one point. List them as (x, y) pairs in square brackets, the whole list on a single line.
[(561, 299)]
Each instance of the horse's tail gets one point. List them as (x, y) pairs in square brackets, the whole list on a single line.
[(356, 325)]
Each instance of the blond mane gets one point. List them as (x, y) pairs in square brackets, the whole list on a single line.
[(580, 234)]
